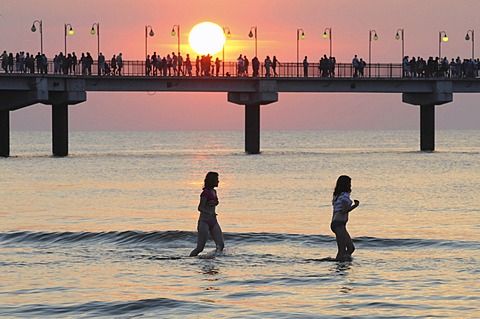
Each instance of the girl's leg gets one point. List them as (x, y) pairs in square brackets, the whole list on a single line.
[(340, 236), (217, 236), (349, 244), (201, 239)]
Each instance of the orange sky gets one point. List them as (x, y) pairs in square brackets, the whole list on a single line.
[(122, 29)]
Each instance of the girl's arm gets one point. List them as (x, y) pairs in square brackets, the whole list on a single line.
[(346, 208), (202, 205)]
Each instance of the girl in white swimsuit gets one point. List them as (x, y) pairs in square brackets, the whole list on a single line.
[(342, 205)]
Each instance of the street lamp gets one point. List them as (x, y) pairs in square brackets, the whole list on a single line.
[(375, 37), (250, 34), (328, 36), (173, 33), (97, 32), (440, 39), (401, 36), (226, 31), (34, 29), (467, 37), (70, 32), (151, 33), (302, 36)]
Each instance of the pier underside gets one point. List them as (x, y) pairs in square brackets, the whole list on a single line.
[(60, 92), (59, 100)]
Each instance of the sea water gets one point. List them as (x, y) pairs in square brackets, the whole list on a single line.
[(106, 231)]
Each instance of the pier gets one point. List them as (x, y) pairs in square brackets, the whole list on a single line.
[(19, 90)]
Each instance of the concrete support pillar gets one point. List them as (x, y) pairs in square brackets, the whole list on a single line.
[(442, 93), (60, 129), (252, 128), (427, 127), (265, 93), (4, 133)]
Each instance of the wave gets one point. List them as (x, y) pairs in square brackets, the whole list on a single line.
[(160, 306), (132, 237)]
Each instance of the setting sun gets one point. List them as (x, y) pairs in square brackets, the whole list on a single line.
[(206, 38)]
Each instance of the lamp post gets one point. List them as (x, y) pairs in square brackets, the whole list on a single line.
[(401, 36), (177, 33), (328, 36), (467, 38), (151, 33), (302, 36), (70, 32), (226, 31), (250, 34), (96, 30), (375, 37), (34, 29), (440, 39)]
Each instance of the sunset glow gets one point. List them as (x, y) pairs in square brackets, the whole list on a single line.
[(346, 28), (206, 38)]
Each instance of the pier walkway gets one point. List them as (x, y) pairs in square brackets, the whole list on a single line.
[(19, 90)]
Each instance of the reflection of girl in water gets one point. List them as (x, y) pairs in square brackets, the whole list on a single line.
[(207, 222), (342, 205)]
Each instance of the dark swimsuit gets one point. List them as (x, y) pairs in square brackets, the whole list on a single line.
[(336, 223), (210, 197), (211, 223)]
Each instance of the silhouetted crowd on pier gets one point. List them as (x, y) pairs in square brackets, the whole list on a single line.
[(24, 63), (436, 67), (176, 65), (68, 64)]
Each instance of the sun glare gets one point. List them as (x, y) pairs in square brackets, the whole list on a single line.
[(206, 38)]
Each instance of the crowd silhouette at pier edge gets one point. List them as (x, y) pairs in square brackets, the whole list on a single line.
[(175, 64)]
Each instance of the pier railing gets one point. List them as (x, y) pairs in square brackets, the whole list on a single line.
[(230, 69)]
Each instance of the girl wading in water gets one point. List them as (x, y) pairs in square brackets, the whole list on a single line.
[(207, 222), (342, 205)]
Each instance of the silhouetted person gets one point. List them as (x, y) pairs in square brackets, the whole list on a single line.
[(188, 65), (197, 65), (267, 64), (101, 64), (120, 63), (361, 67), (180, 64), (239, 65), (305, 67), (73, 69), (245, 65), (148, 65), (274, 65), (356, 65), (10, 62), (88, 63), (169, 64), (217, 65), (5, 61), (113, 64), (255, 66)]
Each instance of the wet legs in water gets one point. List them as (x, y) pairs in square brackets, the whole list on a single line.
[(203, 230), (344, 243)]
